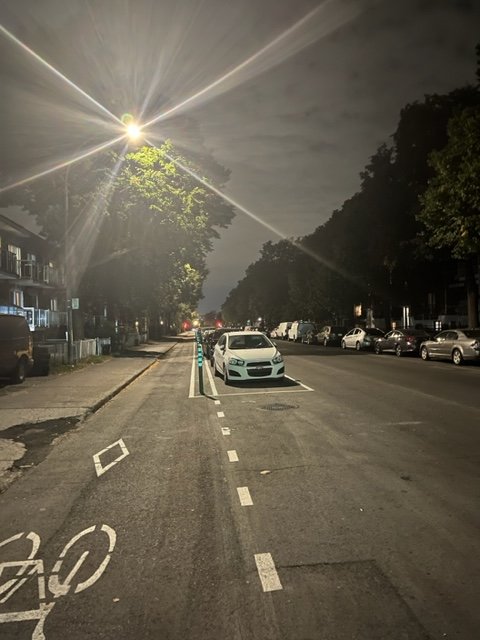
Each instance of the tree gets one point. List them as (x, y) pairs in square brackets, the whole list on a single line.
[(451, 203), (160, 223)]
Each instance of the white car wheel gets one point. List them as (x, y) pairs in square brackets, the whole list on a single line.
[(457, 357)]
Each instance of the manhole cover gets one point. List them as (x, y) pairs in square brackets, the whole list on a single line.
[(278, 406)]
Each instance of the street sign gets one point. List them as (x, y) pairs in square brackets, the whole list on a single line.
[(75, 303)]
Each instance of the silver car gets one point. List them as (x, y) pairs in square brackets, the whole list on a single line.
[(359, 338), (456, 345)]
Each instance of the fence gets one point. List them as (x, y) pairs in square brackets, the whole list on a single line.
[(81, 349)]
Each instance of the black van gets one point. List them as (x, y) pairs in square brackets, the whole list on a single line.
[(16, 348)]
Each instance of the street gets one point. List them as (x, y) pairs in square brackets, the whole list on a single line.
[(339, 504)]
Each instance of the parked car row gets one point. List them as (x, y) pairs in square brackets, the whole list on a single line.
[(456, 345)]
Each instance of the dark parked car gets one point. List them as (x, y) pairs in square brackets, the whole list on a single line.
[(331, 335), (16, 348), (211, 340), (401, 341)]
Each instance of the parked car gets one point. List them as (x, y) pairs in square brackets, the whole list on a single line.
[(310, 336), (299, 329), (282, 330), (331, 335), (456, 345), (211, 340), (358, 338), (401, 341), (16, 348), (247, 355)]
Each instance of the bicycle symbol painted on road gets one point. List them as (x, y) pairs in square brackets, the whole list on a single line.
[(27, 569)]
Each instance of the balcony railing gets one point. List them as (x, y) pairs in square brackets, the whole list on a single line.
[(30, 270)]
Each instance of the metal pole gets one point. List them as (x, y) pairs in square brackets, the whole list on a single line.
[(67, 273)]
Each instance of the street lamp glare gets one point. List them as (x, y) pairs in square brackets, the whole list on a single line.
[(133, 131)]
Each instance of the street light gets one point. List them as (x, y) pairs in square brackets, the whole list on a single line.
[(133, 131)]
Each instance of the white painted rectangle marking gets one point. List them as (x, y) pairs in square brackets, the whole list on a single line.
[(220, 414), (245, 497), (267, 573), (217, 402), (225, 431), (212, 383), (191, 392), (232, 455), (96, 458)]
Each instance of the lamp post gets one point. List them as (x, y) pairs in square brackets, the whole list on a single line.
[(67, 271)]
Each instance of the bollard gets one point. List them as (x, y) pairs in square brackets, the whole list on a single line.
[(200, 368)]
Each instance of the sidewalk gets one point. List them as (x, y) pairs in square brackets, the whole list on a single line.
[(70, 396)]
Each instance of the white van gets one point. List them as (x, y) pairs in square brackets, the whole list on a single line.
[(282, 330), (299, 329)]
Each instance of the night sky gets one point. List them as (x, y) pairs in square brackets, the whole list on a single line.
[(295, 124)]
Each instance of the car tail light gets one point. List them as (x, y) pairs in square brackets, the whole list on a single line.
[(475, 345)]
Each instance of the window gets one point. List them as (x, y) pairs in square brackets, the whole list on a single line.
[(17, 297), (16, 256)]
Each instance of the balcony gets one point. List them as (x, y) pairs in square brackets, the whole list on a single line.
[(28, 272)]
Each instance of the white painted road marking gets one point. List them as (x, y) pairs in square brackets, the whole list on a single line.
[(56, 586), (300, 383), (267, 572), (96, 458), (213, 386), (225, 431), (245, 497), (232, 455), (60, 589), (191, 393), (220, 414), (217, 401)]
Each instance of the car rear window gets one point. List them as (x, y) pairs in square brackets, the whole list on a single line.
[(249, 342), (472, 333)]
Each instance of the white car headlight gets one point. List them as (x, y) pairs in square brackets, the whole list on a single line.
[(236, 361), (277, 359)]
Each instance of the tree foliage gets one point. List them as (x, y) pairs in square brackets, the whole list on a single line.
[(451, 203), (160, 223), (386, 246)]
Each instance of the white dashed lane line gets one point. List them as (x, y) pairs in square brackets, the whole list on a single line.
[(245, 497), (265, 565), (267, 572)]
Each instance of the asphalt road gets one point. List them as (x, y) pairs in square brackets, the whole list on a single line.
[(343, 504)]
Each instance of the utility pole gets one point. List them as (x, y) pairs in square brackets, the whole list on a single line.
[(67, 272)]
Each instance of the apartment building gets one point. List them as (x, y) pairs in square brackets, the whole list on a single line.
[(31, 280)]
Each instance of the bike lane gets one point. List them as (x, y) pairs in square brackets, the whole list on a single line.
[(126, 530)]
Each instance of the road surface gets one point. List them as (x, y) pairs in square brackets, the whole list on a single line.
[(342, 504)]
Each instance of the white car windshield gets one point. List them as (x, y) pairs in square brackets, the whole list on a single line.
[(249, 342)]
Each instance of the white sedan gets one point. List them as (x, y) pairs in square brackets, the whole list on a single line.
[(247, 355)]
